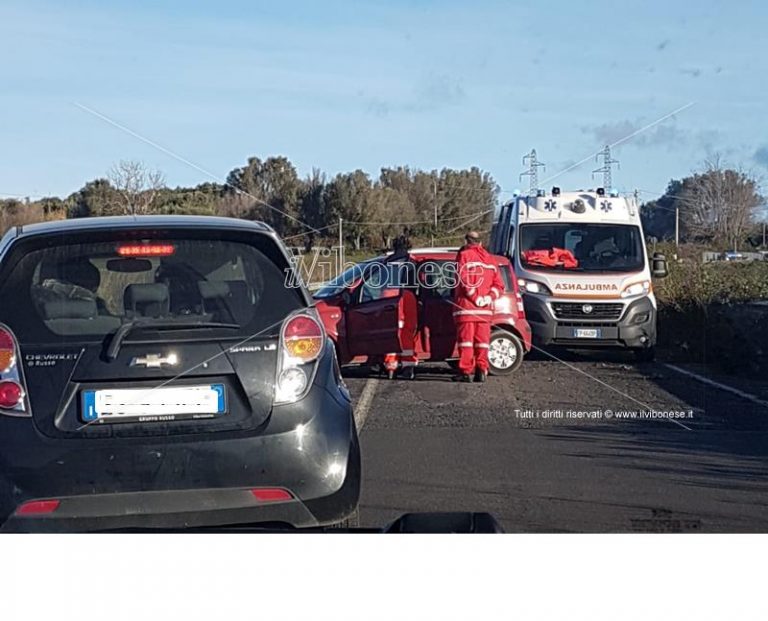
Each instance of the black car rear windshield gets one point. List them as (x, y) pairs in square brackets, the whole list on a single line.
[(84, 288)]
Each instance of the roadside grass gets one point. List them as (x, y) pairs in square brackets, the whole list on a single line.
[(715, 314)]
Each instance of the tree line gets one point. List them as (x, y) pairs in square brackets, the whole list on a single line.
[(304, 210), (719, 207)]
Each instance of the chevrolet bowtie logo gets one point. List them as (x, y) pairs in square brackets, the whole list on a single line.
[(155, 361)]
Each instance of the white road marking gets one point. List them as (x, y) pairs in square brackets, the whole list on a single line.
[(364, 403), (724, 387), (616, 390)]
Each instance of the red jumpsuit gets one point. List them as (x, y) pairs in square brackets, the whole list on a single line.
[(479, 285), (407, 326)]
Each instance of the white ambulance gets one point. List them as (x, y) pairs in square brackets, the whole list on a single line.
[(583, 268)]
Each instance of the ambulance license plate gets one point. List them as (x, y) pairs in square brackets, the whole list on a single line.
[(586, 333)]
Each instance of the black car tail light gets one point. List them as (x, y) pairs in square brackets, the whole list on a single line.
[(7, 351), (38, 507), (302, 338), (271, 494), (146, 250), (13, 392), (301, 343)]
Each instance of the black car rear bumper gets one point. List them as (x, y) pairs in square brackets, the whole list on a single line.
[(198, 508), (636, 328), (188, 480)]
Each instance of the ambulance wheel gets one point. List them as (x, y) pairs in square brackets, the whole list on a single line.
[(505, 353)]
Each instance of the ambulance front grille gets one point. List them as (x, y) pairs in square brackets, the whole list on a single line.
[(586, 310)]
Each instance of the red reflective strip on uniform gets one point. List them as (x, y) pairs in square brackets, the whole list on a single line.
[(465, 344), (482, 346)]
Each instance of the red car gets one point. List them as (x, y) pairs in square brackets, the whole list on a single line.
[(359, 309)]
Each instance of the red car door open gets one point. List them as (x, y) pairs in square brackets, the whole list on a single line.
[(371, 320)]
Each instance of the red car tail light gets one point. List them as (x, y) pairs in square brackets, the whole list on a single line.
[(146, 250), (303, 338), (13, 392), (271, 494), (38, 507)]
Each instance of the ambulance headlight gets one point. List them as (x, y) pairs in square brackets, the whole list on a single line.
[(638, 288), (531, 286)]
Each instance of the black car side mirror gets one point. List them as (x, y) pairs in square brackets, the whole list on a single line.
[(346, 297), (659, 266)]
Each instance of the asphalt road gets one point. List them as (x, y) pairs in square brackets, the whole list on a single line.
[(433, 445)]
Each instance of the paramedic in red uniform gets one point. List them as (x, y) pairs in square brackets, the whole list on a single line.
[(408, 314), (407, 326), (479, 284)]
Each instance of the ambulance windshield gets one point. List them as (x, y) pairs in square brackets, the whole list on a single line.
[(581, 247)]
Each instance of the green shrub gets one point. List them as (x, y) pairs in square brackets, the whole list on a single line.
[(691, 284)]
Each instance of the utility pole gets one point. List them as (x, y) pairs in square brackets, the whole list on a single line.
[(605, 169), (533, 171), (764, 234), (341, 246), (434, 188), (677, 228)]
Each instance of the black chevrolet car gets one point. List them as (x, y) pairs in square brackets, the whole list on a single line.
[(166, 372)]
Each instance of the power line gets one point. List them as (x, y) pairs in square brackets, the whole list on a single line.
[(620, 141), (322, 228), (459, 235), (676, 197), (479, 213), (183, 160)]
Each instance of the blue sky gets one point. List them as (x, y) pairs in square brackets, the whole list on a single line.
[(346, 85)]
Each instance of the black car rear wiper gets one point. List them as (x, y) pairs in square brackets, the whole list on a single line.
[(113, 348)]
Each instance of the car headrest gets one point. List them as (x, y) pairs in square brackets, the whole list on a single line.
[(149, 300), (70, 309), (80, 272), (213, 289)]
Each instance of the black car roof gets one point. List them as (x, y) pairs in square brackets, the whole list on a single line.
[(127, 222)]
